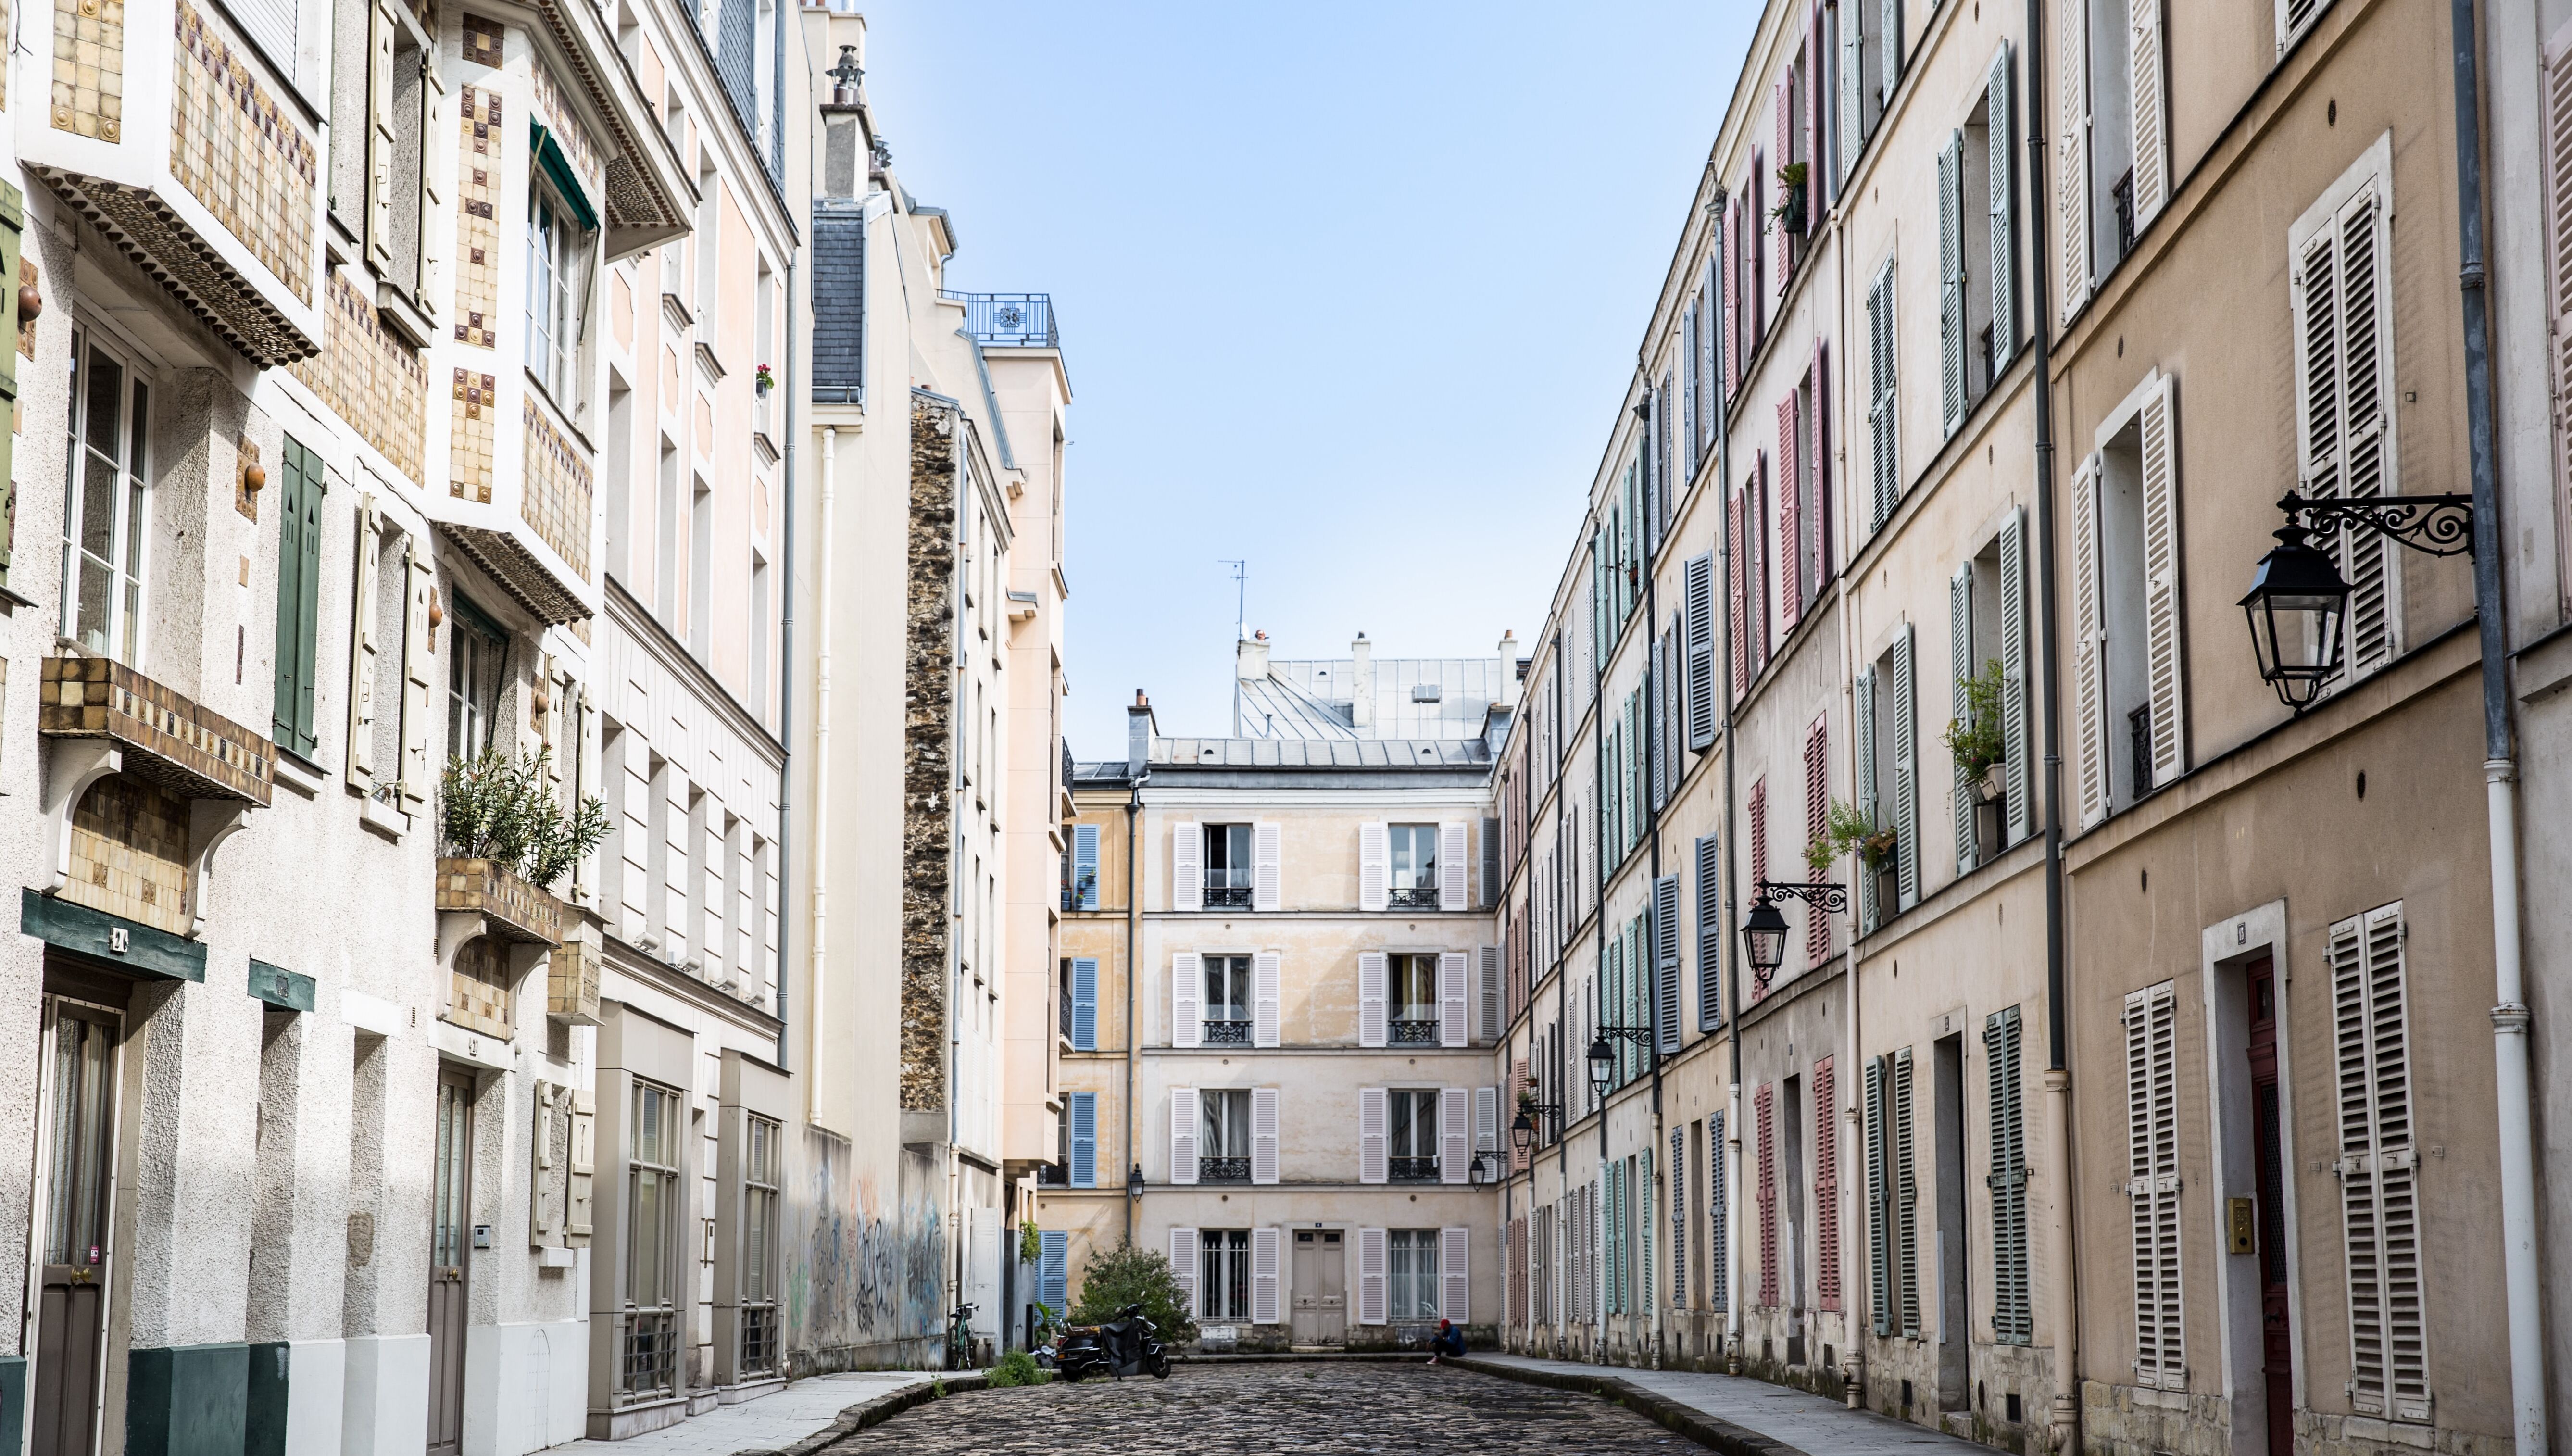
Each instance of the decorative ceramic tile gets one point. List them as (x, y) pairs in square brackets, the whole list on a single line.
[(558, 488), (468, 466), (248, 159), (130, 853), (564, 123), (370, 377), (89, 68), (482, 40), (477, 226)]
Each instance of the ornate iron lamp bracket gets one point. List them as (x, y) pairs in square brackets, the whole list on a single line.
[(2439, 526)]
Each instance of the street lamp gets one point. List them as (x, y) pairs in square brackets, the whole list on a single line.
[(1603, 1068), (1764, 931), (1485, 1169), (1134, 1182), (2298, 606), (1522, 1133)]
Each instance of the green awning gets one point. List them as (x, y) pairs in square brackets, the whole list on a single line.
[(549, 156)]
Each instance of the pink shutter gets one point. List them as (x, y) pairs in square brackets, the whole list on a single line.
[(1758, 833), (1763, 1107), (1741, 538), (1785, 94), (1733, 255), (1755, 296), (1826, 1186), (1790, 554), (1817, 808)]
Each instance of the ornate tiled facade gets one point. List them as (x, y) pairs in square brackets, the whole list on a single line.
[(557, 488), (564, 123), (130, 853), (468, 464), (477, 228), (478, 995), (29, 277), (243, 156), (370, 377), (482, 40), (89, 68)]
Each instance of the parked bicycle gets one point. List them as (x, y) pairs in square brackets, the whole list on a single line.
[(959, 1340)]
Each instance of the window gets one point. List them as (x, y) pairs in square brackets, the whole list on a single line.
[(1227, 1001), (659, 1210), (558, 293), (106, 511), (1415, 866), (298, 595), (473, 663), (1977, 234), (1223, 1135), (1887, 700), (1223, 1277), (2340, 284), (759, 1327), (1412, 1115), (1227, 866), (2129, 703), (1414, 1269), (1082, 892), (1413, 983)]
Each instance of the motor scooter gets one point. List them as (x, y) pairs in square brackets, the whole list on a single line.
[(1123, 1346)]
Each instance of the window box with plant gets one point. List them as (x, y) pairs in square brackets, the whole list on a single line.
[(1790, 209), (506, 842), (1848, 830), (1975, 741)]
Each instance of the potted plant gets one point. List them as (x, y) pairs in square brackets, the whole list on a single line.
[(1848, 830), (1976, 742), (763, 379), (1789, 211), (507, 841)]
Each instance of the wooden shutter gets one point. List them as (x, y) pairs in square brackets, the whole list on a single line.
[(2557, 170), (2343, 292), (1452, 1027), (1784, 93), (1267, 883), (1187, 999), (1487, 1119), (1374, 854), (2072, 151), (1085, 1003), (1518, 1085), (1826, 1185), (1263, 1135), (1882, 417), (1906, 1196), (1265, 1015), (1183, 1262), (1453, 866), (1187, 865), (1960, 670), (1998, 120), (1454, 1134), (1719, 1213), (1641, 1218), (1265, 1249), (1184, 1135), (1951, 281), (1862, 735), (1709, 933), (1665, 963), (1085, 867), (1762, 1112), (364, 645), (2150, 110), (1852, 69), (2018, 776), (15, 273), (1054, 1268), (1083, 1108), (1678, 1235), (1698, 590), (1817, 463), (1904, 706), (1371, 1260), (1488, 995), (420, 587), (1730, 243), (1879, 1202), (1491, 870), (380, 138), (298, 595), (1737, 554), (2164, 665), (1790, 573), (1613, 1270), (1754, 298), (1817, 812), (2378, 1167), (1656, 692), (2151, 1189), (2089, 650), (1372, 1132), (1890, 29), (2013, 1317)]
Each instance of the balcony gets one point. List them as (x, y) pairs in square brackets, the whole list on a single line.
[(2139, 733), (1219, 897), (1223, 1170), (1007, 321), (1412, 897), (1412, 1032), (1225, 1034), (1412, 1169)]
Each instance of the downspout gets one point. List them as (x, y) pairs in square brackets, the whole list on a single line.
[(786, 687), (1654, 749), (1133, 906), (1731, 899), (820, 872), (1598, 937), (2509, 1015)]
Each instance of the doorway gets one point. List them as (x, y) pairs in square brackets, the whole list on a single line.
[(2277, 1342), (1954, 1318), (77, 1217), (1321, 1289), (450, 1248), (1792, 1226)]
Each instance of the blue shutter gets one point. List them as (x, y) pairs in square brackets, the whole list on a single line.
[(1665, 962), (1085, 1006), (1718, 1244), (1085, 867), (1054, 1268), (1082, 1108), (1709, 935)]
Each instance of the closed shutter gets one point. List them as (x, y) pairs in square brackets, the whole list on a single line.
[(1642, 1218), (1374, 874), (1732, 273), (1882, 417), (2013, 1317), (2163, 664), (1960, 670), (1656, 686), (1763, 1118), (1826, 1186), (2150, 110), (1698, 587), (1452, 1027), (1454, 1134), (1263, 1135), (1692, 375), (1487, 1121), (2072, 151), (1085, 1003), (1879, 1202), (1737, 557), (1453, 892), (15, 273), (1455, 1290), (1790, 574), (1817, 814), (1785, 96), (1852, 69), (1187, 865), (1083, 1109), (1491, 839), (1184, 1135), (1054, 1268), (2151, 1189), (1615, 1302), (1268, 884), (1862, 731), (1183, 1264), (1371, 1135), (1903, 704), (1754, 242), (1709, 934), (2089, 650), (1265, 1247), (1488, 995), (2344, 378), (1951, 281), (1371, 1261), (1371, 998), (1187, 999), (1816, 541), (1085, 867), (366, 642), (1265, 968), (1906, 1196), (2378, 1166), (1679, 1218), (2557, 170), (1718, 1213), (2019, 777), (417, 665), (1998, 118), (1665, 963)]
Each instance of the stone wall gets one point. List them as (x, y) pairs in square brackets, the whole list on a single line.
[(928, 770)]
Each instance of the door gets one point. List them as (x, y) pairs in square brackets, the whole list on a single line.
[(79, 1142), (1954, 1330), (450, 1248), (1321, 1287), (2277, 1342)]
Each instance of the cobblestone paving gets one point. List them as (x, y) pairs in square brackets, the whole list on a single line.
[(1255, 1409)]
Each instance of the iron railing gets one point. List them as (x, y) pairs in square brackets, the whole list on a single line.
[(1412, 1033), (1412, 1169), (1226, 1033), (651, 1351), (1413, 898), (758, 1339), (1223, 1170), (1234, 895), (2121, 198), (1008, 321)]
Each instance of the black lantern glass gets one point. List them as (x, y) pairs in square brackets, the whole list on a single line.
[(1134, 1182), (1603, 1067), (1522, 1132), (1763, 935), (2296, 608)]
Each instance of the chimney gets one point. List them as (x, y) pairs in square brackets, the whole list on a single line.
[(844, 139), (1139, 734), (1361, 683), (1250, 658), (1505, 692)]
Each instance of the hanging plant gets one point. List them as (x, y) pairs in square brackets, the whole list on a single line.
[(1844, 830), (1975, 739), (763, 378), (1789, 211)]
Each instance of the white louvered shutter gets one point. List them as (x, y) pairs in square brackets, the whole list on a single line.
[(1709, 933), (1184, 1135), (1882, 416), (1371, 1261), (1904, 706), (1998, 118), (1263, 1135), (1678, 1230), (1518, 1086), (2378, 1166), (1454, 1134), (1085, 867), (1187, 999), (1951, 281), (366, 644), (418, 669), (1487, 1118), (1265, 975), (2557, 170), (1187, 865), (1698, 578), (1960, 667), (1372, 1132), (1452, 1027), (1889, 29), (1453, 862), (1374, 854), (1665, 962), (2089, 650), (2018, 774), (2151, 1189), (2072, 151), (1455, 1290), (2342, 290), (1267, 882), (1488, 995), (1862, 732), (1371, 990), (1852, 67), (1265, 1248), (1183, 1264), (2013, 1317), (2150, 110), (2162, 665), (383, 135)]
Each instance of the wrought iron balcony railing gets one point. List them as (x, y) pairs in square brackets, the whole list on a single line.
[(1412, 1033), (2139, 728), (1413, 898), (1223, 1170), (1413, 1170), (1226, 1033), (1236, 896), (1008, 321)]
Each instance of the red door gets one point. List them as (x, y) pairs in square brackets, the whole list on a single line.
[(2276, 1347)]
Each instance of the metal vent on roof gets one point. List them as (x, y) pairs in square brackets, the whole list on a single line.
[(1426, 692)]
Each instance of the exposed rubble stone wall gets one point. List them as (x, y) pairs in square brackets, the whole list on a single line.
[(928, 760)]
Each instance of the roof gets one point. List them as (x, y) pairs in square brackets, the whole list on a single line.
[(1414, 698), (1308, 753)]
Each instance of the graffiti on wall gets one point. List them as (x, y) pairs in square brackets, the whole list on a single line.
[(869, 1287)]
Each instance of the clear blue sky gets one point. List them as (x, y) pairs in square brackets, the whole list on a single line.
[(1352, 292)]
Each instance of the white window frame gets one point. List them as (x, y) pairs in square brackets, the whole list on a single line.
[(122, 635), (561, 262)]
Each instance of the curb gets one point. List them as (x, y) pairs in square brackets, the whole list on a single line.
[(1708, 1431), (873, 1413)]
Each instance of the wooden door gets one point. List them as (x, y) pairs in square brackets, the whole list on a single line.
[(449, 1249), (78, 1141), (1321, 1287), (2277, 1342)]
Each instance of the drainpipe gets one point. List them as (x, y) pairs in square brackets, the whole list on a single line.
[(1655, 750), (2510, 1018), (820, 872), (1598, 953), (1134, 908), (786, 693), (1732, 895)]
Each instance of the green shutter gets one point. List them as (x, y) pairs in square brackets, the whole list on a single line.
[(2013, 1319), (298, 595), (13, 223), (1878, 1247), (1906, 1198)]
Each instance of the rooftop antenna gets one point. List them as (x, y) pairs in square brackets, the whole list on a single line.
[(1240, 620)]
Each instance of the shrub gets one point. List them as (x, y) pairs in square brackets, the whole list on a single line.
[(1846, 829), (1129, 1276), (490, 808), (1018, 1367)]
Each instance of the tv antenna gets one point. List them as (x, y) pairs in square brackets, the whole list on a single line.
[(1240, 623)]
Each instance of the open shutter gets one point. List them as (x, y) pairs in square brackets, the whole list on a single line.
[(1665, 963), (1729, 241), (1054, 1268), (1519, 1087), (1719, 1213), (2342, 289), (1263, 1135), (1736, 557), (1951, 281), (1265, 1014), (1882, 417), (1183, 1264), (1906, 1198), (1879, 1204), (1852, 79), (1763, 1118), (1491, 870), (2151, 1190), (1371, 1261), (2018, 775), (2557, 170), (1453, 892), (1374, 854), (1187, 999), (1826, 1186), (2167, 673), (381, 138), (1267, 885), (1817, 813), (1486, 996), (1862, 733), (1487, 1121), (1641, 1219), (1083, 1109), (1371, 990), (1265, 1259), (366, 643), (1372, 1132), (1085, 1003), (1184, 1135), (1785, 99), (418, 666), (1889, 28), (2089, 650), (2378, 1166), (1698, 587), (2013, 1317), (2150, 110), (1453, 1030), (1656, 683), (1085, 867), (15, 273), (1454, 1134), (1709, 933), (1998, 118), (1903, 704), (1815, 544), (1187, 865), (1790, 574), (299, 613), (2072, 151), (1960, 669)]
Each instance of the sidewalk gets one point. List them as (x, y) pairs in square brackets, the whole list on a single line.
[(1785, 1416), (770, 1423)]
